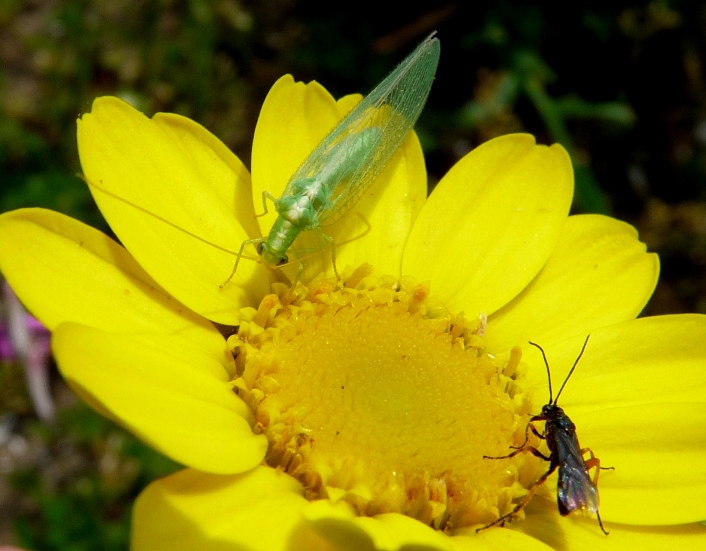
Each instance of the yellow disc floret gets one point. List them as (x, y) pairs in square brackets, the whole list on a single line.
[(371, 392)]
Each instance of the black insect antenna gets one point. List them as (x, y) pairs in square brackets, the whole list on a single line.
[(572, 369), (549, 375)]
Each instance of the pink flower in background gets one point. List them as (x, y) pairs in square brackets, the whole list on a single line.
[(25, 340)]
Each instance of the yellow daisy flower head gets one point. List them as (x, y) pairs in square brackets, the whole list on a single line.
[(363, 412)]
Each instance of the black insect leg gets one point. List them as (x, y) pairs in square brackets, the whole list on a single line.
[(532, 489), (534, 430), (519, 449)]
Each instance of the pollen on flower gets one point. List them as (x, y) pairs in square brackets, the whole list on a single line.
[(370, 392)]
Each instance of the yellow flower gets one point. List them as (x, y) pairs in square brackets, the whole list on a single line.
[(355, 413)]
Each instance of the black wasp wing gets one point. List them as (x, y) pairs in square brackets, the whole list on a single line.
[(575, 489)]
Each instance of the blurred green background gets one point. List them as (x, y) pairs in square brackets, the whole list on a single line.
[(619, 84)]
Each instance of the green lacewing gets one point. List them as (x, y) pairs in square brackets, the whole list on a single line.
[(347, 161)]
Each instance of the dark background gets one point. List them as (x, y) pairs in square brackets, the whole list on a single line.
[(619, 84)]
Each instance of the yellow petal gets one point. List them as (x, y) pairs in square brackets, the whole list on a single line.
[(598, 274), (64, 270), (256, 511), (395, 532), (338, 525), (335, 523), (174, 198), (294, 118), (491, 223), (201, 145), (497, 540), (659, 454), (642, 361), (165, 390), (628, 398), (583, 534)]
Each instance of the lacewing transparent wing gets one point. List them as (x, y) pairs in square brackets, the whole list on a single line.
[(373, 130), (336, 174)]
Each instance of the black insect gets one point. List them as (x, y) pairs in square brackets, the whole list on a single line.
[(575, 487)]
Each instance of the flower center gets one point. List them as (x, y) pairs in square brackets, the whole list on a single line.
[(370, 392)]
